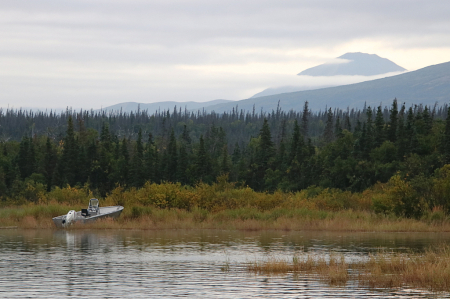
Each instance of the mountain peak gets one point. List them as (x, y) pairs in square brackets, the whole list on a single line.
[(358, 55), (354, 64)]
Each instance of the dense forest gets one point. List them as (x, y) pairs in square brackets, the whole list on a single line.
[(289, 151)]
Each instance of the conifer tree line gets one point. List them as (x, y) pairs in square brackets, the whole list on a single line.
[(289, 151)]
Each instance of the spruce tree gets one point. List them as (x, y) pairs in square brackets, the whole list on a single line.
[(361, 148), (445, 147), (338, 128), (69, 161), (26, 159), (393, 122), (10, 171), (379, 128), (358, 128), (172, 158), (83, 171), (328, 132), (281, 157), (123, 163), (183, 165), (295, 141), (185, 136), (264, 155), (138, 177), (427, 121), (150, 165), (305, 117), (236, 154), (202, 164), (3, 187), (410, 133), (105, 137), (401, 138), (22, 159), (347, 125), (266, 150), (32, 160), (58, 178), (369, 134), (50, 160), (225, 164)]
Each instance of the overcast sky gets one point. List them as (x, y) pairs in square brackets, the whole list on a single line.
[(96, 53)]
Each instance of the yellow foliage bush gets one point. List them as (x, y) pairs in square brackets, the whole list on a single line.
[(70, 195), (405, 200)]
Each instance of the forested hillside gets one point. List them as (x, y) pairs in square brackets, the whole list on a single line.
[(290, 151)]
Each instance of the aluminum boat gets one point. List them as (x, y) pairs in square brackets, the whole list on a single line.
[(91, 214)]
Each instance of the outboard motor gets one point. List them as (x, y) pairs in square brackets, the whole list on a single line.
[(70, 217)]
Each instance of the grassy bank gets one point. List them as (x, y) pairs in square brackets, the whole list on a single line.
[(430, 270), (144, 217), (222, 205)]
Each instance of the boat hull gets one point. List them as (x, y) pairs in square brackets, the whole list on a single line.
[(104, 212)]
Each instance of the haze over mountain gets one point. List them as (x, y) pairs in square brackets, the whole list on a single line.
[(424, 86), (350, 68), (284, 89), (352, 64), (152, 107)]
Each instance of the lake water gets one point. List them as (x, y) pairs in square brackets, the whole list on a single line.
[(191, 263)]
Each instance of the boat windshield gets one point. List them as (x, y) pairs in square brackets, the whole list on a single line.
[(93, 203)]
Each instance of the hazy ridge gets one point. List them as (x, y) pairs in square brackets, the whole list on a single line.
[(424, 86), (153, 107)]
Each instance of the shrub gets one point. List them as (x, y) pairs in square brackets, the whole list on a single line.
[(406, 201)]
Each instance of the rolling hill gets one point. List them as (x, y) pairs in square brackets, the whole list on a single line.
[(284, 89), (153, 107)]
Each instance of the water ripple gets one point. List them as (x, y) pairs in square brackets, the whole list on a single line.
[(121, 264)]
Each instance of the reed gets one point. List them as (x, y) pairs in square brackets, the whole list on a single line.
[(334, 271), (429, 270)]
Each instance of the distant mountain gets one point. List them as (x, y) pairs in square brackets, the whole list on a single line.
[(153, 107), (285, 89), (424, 86), (352, 64)]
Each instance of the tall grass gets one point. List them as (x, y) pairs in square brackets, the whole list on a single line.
[(150, 217), (32, 215), (334, 271), (430, 270)]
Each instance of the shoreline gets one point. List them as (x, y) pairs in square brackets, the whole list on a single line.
[(246, 219)]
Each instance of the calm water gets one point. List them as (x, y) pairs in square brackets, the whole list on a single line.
[(154, 264)]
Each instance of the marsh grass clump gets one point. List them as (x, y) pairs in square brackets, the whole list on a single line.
[(334, 271), (429, 270), (226, 265)]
